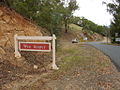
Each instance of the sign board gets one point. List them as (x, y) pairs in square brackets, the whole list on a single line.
[(117, 39), (116, 34), (35, 46)]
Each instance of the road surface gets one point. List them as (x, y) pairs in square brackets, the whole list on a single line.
[(110, 50)]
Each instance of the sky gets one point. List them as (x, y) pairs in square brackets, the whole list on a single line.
[(95, 11)]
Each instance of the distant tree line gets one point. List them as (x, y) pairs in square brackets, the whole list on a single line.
[(89, 25)]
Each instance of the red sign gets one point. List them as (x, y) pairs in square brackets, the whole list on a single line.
[(34, 46)]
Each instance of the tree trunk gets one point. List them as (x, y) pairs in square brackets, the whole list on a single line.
[(66, 28)]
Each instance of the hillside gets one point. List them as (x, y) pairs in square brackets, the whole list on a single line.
[(12, 23), (81, 67), (76, 31)]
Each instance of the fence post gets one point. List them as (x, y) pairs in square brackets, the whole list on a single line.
[(17, 54), (54, 66)]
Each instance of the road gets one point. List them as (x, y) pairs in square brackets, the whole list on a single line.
[(110, 50)]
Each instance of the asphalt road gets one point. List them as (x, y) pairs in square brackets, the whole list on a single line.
[(112, 51)]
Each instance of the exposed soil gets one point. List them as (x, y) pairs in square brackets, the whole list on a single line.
[(12, 75), (11, 68)]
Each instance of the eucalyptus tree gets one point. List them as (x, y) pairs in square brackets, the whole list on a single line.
[(49, 14), (46, 13), (90, 26), (69, 7), (114, 9)]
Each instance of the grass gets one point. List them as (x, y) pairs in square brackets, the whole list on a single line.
[(78, 28), (75, 27), (80, 33), (78, 60), (70, 61), (74, 55)]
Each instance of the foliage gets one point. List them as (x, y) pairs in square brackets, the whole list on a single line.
[(49, 14), (114, 9), (89, 25), (68, 12)]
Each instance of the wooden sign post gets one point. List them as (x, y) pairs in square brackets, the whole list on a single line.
[(35, 46)]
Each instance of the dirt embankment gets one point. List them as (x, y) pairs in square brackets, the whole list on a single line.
[(78, 32), (12, 23)]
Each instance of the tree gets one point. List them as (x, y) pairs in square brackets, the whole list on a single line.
[(49, 14), (46, 13), (75, 20), (69, 7), (114, 9), (89, 25)]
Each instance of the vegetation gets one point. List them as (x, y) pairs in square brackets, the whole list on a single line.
[(114, 9), (89, 25), (50, 14), (53, 14)]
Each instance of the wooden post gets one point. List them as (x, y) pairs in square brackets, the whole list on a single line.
[(17, 54), (54, 66)]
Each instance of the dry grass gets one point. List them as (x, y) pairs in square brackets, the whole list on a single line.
[(84, 66), (75, 27)]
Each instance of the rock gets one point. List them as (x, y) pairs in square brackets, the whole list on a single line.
[(6, 18), (35, 67), (2, 51), (2, 22), (1, 33), (1, 13)]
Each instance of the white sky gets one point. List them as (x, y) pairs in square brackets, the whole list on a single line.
[(94, 10)]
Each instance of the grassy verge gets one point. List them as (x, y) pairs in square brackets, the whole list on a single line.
[(80, 64), (81, 56)]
